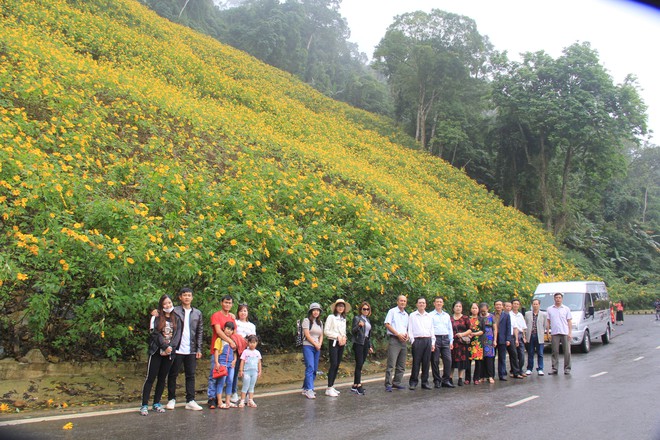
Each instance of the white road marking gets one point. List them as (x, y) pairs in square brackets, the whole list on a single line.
[(598, 374), (658, 347), (521, 401), (638, 359), (72, 416)]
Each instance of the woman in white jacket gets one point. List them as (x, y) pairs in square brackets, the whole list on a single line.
[(335, 332)]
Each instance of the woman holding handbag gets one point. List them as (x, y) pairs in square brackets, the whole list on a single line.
[(335, 331), (361, 330), (462, 338)]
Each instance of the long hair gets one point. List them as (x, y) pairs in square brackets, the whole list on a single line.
[(364, 303), (162, 319)]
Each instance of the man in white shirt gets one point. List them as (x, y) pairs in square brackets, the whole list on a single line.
[(519, 327), (514, 364), (396, 323), (444, 343), (422, 338), (560, 322)]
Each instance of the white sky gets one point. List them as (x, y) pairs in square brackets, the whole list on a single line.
[(624, 33)]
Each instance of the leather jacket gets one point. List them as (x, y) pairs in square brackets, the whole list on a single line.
[(358, 331), (196, 327)]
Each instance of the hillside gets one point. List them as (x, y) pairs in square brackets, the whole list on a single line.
[(138, 156)]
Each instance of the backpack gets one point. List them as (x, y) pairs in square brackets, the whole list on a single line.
[(299, 334)]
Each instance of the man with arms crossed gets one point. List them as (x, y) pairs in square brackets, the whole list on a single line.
[(560, 322), (218, 321), (396, 323)]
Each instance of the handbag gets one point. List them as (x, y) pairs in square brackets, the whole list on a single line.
[(546, 337), (299, 334), (465, 340), (220, 371)]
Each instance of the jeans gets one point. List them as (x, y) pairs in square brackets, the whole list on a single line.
[(361, 352), (335, 351), (237, 368), (311, 356), (443, 351), (396, 359), (534, 346), (216, 385), (158, 366), (249, 380), (189, 362)]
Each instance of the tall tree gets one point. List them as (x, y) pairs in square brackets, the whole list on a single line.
[(430, 61)]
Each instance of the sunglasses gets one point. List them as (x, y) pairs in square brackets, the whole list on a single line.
[(366, 309)]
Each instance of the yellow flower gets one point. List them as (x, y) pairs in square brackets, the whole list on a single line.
[(4, 407), (130, 260), (21, 276), (233, 242), (232, 262), (68, 425), (111, 255)]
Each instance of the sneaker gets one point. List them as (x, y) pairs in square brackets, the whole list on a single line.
[(541, 373), (212, 403), (330, 392), (310, 394), (354, 389), (158, 408), (528, 372), (388, 389), (336, 390), (170, 404), (144, 410), (194, 406), (360, 391), (234, 398)]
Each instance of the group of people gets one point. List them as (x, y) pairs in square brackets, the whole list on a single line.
[(456, 339), (176, 335)]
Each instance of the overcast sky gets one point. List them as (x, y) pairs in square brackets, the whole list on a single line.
[(624, 33)]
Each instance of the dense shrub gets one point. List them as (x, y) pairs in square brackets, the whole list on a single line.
[(137, 156)]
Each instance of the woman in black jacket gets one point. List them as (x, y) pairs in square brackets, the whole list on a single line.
[(362, 346), (165, 335)]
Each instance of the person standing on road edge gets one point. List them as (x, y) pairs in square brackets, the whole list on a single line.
[(396, 323), (476, 349), (520, 327), (537, 327), (504, 337), (657, 309), (422, 340), (362, 346), (218, 321), (488, 339), (619, 312), (250, 371), (190, 349), (560, 322), (459, 354), (312, 327), (444, 342), (165, 336), (244, 328), (335, 332)]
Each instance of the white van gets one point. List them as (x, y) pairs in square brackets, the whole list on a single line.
[(590, 307)]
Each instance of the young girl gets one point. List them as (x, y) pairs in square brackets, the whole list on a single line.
[(165, 336), (335, 331), (250, 370), (224, 355), (244, 328), (313, 331)]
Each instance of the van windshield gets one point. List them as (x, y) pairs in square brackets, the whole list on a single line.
[(574, 301)]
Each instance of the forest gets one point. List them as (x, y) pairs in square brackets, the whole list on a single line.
[(553, 137)]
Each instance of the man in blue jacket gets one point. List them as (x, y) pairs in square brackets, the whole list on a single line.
[(504, 337)]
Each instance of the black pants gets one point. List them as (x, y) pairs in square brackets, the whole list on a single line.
[(421, 358), (361, 352), (443, 351), (520, 354), (189, 362), (489, 367), (158, 367), (468, 370), (335, 351), (513, 359)]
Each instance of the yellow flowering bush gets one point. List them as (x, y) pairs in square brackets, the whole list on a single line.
[(137, 156)]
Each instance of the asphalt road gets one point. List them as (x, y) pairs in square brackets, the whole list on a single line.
[(611, 394)]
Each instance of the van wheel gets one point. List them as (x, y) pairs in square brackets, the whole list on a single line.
[(606, 336), (586, 342)]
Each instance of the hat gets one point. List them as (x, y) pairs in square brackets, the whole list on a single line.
[(340, 301), (314, 306), (558, 293)]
